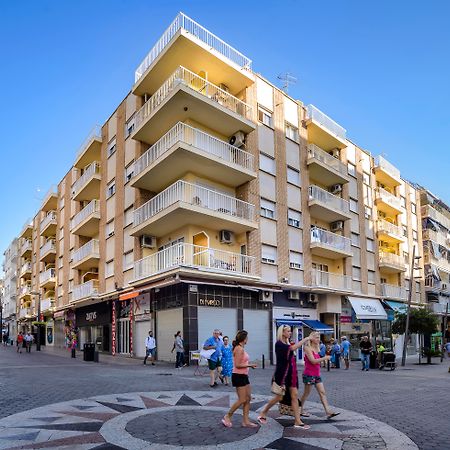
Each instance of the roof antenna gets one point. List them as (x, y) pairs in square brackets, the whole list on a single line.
[(287, 80)]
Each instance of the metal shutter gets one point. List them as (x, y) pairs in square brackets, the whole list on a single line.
[(257, 325), (168, 322), (210, 318)]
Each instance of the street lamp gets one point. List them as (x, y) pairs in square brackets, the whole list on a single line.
[(38, 337)]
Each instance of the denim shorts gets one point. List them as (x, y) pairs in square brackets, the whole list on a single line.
[(311, 379)]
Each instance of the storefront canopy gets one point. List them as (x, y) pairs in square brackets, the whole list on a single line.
[(396, 306), (315, 325), (368, 308)]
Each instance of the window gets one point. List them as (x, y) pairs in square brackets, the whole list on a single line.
[(371, 276), (417, 287), (406, 257), (291, 132), (370, 244), (265, 116), (267, 209), (111, 148), (351, 169), (295, 260), (413, 208), (367, 212), (61, 203), (355, 239), (111, 189), (356, 273), (293, 176), (128, 261), (129, 126), (366, 178), (60, 262), (109, 229), (353, 205), (267, 164), (129, 172), (405, 230), (414, 235), (109, 268), (320, 267), (294, 218), (403, 201), (128, 217), (269, 254)]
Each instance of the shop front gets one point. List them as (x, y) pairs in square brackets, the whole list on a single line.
[(94, 326)]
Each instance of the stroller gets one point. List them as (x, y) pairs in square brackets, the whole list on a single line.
[(387, 360)]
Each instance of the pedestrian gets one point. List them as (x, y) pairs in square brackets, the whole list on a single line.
[(311, 375), (73, 345), (227, 360), (214, 361), (380, 350), (28, 341), (5, 339), (178, 346), (240, 381), (366, 347), (19, 342), (447, 349), (285, 376), (150, 348), (345, 347), (323, 352), (336, 355)]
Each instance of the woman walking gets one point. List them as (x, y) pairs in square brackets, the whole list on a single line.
[(227, 360), (311, 374), (178, 346), (240, 381), (285, 375)]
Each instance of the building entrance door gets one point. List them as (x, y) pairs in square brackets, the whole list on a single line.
[(123, 338)]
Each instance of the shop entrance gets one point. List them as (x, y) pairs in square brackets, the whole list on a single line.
[(123, 336)]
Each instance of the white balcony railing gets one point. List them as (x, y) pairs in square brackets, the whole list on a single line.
[(389, 198), (330, 280), (331, 240), (91, 248), (88, 289), (89, 172), (95, 133), (191, 194), (315, 152), (47, 303), (194, 256), (387, 167), (25, 289), (328, 199), (201, 33), (49, 246), (393, 291), (51, 216), (441, 237), (437, 216), (198, 139), (26, 268), (392, 259), (24, 312), (47, 275), (198, 84), (318, 116), (91, 208), (26, 245), (389, 228)]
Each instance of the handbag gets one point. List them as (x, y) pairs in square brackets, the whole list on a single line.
[(277, 389)]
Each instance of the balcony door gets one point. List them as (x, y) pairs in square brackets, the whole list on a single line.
[(201, 252)]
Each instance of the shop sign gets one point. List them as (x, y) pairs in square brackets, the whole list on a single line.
[(346, 319), (141, 305), (97, 314), (91, 316), (113, 329), (173, 303), (143, 317), (213, 302)]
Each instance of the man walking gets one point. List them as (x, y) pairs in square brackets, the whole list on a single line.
[(19, 342), (214, 363), (366, 347), (28, 341), (345, 347), (150, 348)]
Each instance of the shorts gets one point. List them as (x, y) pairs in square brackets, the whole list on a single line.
[(151, 352), (239, 380), (346, 355), (311, 379), (213, 365)]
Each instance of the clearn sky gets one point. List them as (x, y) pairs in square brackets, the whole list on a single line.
[(380, 69)]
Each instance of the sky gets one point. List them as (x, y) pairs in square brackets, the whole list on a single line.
[(380, 69)]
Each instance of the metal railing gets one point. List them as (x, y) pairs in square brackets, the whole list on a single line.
[(89, 172), (50, 217), (26, 268), (183, 76), (182, 191), (392, 259), (47, 275), (198, 139), (26, 245), (330, 280), (88, 289), (189, 255), (50, 245), (47, 303), (91, 248), (25, 289), (317, 115), (389, 228), (389, 198), (95, 133), (387, 167), (332, 240), (316, 153), (328, 199), (201, 33), (393, 291), (92, 207)]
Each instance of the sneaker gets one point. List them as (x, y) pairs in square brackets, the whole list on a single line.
[(153, 364)]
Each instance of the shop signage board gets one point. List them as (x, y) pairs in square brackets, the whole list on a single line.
[(97, 314), (213, 302), (113, 329)]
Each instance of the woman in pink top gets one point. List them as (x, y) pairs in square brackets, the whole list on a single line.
[(311, 374), (239, 379)]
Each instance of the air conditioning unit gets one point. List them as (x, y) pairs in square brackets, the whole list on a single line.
[(284, 280), (336, 153), (336, 188), (238, 139), (294, 295), (148, 241), (337, 226), (226, 237), (313, 298), (224, 87), (266, 296)]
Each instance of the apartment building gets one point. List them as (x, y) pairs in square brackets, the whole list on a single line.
[(9, 300), (212, 199)]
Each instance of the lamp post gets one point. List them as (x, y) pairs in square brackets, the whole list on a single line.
[(38, 337)]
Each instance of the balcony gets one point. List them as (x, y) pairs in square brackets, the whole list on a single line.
[(387, 202), (327, 207), (393, 291), (47, 279), (50, 200), (437, 216), (386, 173), (389, 232), (86, 256), (324, 131), (25, 291), (325, 167), (47, 304), (440, 237), (437, 286), (87, 187), (25, 313), (26, 270), (184, 203), (185, 95), (329, 280), (86, 222), (391, 263), (27, 230), (187, 149), (26, 248), (329, 245), (90, 149), (85, 291), (194, 257), (48, 251), (48, 224), (187, 43)]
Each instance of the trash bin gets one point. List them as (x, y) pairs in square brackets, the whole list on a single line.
[(88, 352), (373, 363)]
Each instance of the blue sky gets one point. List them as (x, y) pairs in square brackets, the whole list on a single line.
[(380, 69)]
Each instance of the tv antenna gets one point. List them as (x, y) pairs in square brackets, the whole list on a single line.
[(287, 80)]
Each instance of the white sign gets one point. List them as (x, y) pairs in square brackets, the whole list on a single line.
[(368, 308), (91, 316)]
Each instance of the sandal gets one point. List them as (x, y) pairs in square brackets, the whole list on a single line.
[(262, 420), (303, 426), (330, 416), (227, 423), (305, 414), (250, 425)]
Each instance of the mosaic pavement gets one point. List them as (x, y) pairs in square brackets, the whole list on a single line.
[(175, 420)]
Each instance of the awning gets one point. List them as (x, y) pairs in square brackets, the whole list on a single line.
[(368, 308), (316, 325), (396, 306), (290, 322), (129, 295)]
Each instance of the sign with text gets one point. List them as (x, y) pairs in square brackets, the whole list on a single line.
[(213, 302)]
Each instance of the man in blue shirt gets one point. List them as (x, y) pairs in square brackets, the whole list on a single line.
[(345, 347), (214, 362)]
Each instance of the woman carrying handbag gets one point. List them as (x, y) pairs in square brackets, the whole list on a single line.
[(285, 376)]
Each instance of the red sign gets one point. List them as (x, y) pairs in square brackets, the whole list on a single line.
[(41, 318), (346, 319), (131, 328), (113, 330)]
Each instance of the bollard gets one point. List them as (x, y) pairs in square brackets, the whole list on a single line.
[(263, 362), (328, 365)]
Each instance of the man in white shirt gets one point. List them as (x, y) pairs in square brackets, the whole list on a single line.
[(150, 348), (28, 341)]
